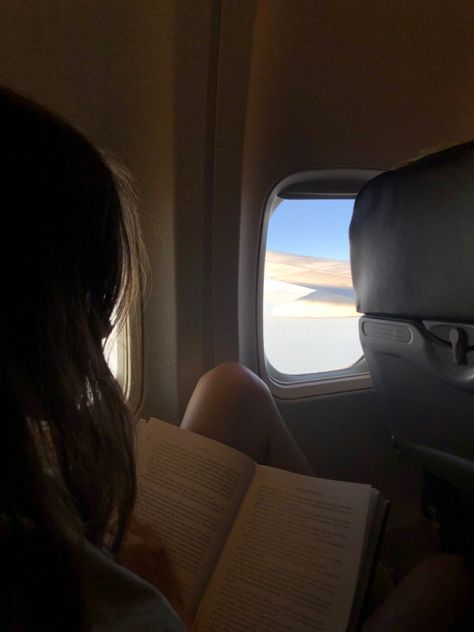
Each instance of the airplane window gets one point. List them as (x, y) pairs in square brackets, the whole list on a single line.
[(111, 354), (310, 324), (117, 354)]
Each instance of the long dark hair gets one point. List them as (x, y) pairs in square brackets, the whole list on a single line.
[(70, 265)]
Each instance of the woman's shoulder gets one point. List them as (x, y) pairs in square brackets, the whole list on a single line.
[(117, 600)]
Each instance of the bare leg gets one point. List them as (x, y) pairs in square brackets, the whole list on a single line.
[(436, 596), (232, 405)]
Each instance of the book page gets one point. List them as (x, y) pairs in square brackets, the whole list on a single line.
[(189, 489), (292, 559)]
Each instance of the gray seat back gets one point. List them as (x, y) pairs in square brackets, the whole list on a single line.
[(412, 257)]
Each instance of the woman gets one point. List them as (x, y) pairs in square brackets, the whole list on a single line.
[(72, 265), (70, 261)]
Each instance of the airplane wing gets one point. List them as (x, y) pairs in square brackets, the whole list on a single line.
[(311, 272), (300, 286)]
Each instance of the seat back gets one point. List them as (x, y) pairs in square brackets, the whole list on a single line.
[(412, 257)]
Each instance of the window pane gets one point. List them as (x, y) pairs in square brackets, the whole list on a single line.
[(309, 319), (111, 355)]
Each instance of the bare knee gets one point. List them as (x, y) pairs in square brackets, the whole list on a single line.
[(233, 395), (436, 596), (232, 405), (235, 380)]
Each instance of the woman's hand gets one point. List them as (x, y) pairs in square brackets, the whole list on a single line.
[(143, 553)]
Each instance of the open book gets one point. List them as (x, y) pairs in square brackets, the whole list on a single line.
[(254, 547)]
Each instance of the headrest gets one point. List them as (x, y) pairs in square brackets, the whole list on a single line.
[(412, 239)]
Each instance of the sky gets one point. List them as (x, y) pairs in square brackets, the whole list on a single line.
[(317, 228)]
